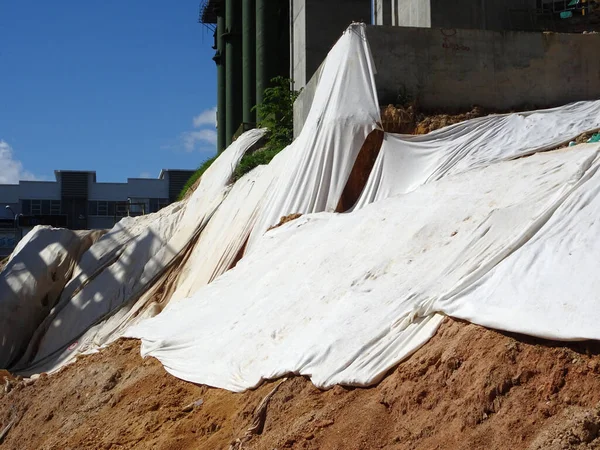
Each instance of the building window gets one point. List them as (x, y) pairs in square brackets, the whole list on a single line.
[(157, 204), (92, 208), (45, 207), (36, 207), (103, 208), (111, 208), (107, 208), (55, 207), (26, 207), (121, 209)]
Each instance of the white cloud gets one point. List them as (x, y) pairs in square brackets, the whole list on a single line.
[(207, 117), (145, 175), (191, 138), (11, 169)]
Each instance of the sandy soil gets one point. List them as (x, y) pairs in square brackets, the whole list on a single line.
[(468, 388), (410, 120)]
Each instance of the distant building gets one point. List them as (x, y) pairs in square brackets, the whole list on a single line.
[(77, 201)]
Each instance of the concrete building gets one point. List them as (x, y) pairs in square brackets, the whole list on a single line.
[(497, 15), (257, 40), (454, 69), (77, 200)]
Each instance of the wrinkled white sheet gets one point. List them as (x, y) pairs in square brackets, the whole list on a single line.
[(123, 264), (406, 162), (343, 297), (443, 223), (344, 111), (548, 287), (32, 281)]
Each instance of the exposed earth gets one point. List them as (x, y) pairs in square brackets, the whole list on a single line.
[(468, 388)]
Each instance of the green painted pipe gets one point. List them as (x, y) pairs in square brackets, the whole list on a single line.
[(221, 106), (272, 43), (262, 48), (233, 68), (249, 61)]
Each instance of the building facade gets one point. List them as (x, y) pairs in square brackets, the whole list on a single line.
[(78, 201), (494, 15), (258, 40)]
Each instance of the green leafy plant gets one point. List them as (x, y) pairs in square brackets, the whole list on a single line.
[(197, 174), (276, 112)]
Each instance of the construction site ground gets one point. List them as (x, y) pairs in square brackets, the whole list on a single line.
[(468, 388)]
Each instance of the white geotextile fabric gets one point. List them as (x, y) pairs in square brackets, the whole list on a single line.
[(227, 232), (548, 287), (32, 281), (343, 297), (122, 264), (214, 253), (115, 267), (340, 298), (406, 162), (344, 111)]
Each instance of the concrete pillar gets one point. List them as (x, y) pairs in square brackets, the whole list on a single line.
[(383, 12), (262, 45)]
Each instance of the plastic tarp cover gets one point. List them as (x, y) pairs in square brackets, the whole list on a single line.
[(344, 111), (32, 281), (343, 297), (123, 264), (406, 162)]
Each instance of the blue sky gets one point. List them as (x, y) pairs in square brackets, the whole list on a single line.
[(125, 88)]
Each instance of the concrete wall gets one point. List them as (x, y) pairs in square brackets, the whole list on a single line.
[(316, 26), (455, 69), (9, 195), (382, 12), (304, 101), (459, 68), (108, 191), (147, 188), (39, 190), (298, 42)]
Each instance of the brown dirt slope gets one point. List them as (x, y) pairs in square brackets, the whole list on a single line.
[(468, 388), (409, 120)]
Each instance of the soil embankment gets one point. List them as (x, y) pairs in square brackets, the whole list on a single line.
[(468, 388)]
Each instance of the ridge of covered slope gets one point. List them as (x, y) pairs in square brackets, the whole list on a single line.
[(468, 388)]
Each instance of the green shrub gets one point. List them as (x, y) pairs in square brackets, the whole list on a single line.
[(252, 160), (197, 174), (276, 113)]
